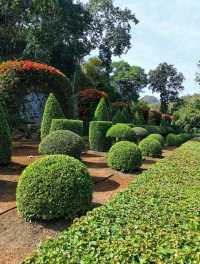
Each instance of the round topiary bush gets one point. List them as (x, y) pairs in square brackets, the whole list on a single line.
[(140, 132), (124, 156), (150, 147), (54, 187), (173, 140), (62, 142), (158, 137), (75, 126), (5, 138), (122, 132)]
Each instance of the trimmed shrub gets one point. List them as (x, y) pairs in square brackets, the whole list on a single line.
[(124, 156), (54, 187), (102, 112), (121, 132), (158, 137), (52, 110), (97, 135), (158, 212), (173, 140), (62, 142), (75, 126), (5, 138), (140, 132), (150, 147)]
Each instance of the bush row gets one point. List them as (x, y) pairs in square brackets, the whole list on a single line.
[(155, 221)]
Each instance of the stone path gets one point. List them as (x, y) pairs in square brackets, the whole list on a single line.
[(17, 237)]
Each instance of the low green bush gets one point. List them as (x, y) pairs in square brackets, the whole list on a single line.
[(97, 135), (124, 156), (53, 187), (5, 138), (121, 132), (140, 132), (158, 137), (173, 140), (150, 147), (156, 220), (75, 126), (62, 142)]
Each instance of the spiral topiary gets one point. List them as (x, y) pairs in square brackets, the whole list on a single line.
[(54, 187), (62, 142), (150, 147), (124, 156), (121, 132), (158, 137)]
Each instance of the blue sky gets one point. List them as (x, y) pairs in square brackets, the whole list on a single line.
[(168, 32)]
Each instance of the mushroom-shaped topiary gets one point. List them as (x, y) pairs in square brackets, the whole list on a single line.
[(140, 132), (121, 132), (150, 147), (124, 156), (54, 187), (158, 137), (62, 142)]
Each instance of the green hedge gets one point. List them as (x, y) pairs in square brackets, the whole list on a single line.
[(53, 187), (155, 221), (5, 138), (75, 126), (124, 156), (97, 135)]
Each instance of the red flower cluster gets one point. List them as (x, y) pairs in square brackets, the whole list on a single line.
[(27, 65)]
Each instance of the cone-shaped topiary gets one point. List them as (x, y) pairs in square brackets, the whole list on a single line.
[(119, 117), (102, 111), (62, 142), (124, 156), (53, 187), (150, 147), (5, 138), (52, 110)]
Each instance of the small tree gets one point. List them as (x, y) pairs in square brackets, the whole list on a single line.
[(167, 81), (102, 111), (5, 138), (52, 110)]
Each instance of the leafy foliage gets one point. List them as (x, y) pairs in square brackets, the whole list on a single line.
[(97, 135), (75, 126), (102, 111), (121, 132), (150, 147), (5, 138), (167, 81), (52, 111), (158, 212), (54, 187), (124, 156), (62, 142), (154, 118)]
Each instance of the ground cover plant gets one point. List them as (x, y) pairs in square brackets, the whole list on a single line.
[(62, 142), (124, 156), (53, 187), (155, 221)]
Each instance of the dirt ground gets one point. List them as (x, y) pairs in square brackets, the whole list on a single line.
[(18, 239)]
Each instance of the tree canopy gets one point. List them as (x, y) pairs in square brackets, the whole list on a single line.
[(166, 81)]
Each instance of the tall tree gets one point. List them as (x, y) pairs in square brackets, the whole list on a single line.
[(112, 27), (128, 80), (168, 82)]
